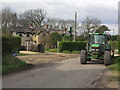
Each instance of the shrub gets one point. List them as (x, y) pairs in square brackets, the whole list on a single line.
[(10, 44), (55, 36), (10, 63), (119, 45), (71, 46), (67, 38), (114, 44)]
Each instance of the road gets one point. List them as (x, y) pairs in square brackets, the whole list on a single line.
[(67, 74)]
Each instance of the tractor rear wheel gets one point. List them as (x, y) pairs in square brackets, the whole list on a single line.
[(83, 57), (107, 58)]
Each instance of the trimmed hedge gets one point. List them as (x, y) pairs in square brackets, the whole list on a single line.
[(114, 44), (119, 45), (10, 63), (71, 46), (10, 44)]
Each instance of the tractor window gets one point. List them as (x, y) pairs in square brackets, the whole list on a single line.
[(98, 39)]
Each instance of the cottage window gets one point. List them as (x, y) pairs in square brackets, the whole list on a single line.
[(20, 34), (35, 42), (27, 35)]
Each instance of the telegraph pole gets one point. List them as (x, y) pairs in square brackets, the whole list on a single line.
[(75, 26), (113, 31)]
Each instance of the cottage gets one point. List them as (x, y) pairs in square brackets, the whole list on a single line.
[(35, 36)]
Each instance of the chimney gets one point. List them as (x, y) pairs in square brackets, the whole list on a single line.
[(30, 26), (46, 26), (65, 30)]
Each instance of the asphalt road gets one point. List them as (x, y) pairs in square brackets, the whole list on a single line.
[(67, 74)]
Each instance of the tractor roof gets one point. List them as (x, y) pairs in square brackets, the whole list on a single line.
[(97, 33)]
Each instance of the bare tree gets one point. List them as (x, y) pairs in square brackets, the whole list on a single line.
[(91, 24), (60, 23), (33, 17), (9, 20)]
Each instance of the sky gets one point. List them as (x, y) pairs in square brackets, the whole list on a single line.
[(105, 10)]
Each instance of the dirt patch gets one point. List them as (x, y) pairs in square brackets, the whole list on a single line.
[(39, 60), (109, 79), (47, 57)]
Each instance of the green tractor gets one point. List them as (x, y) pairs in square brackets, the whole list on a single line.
[(97, 47)]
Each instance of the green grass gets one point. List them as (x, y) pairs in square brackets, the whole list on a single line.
[(21, 54), (116, 64), (65, 51), (11, 63), (73, 52), (52, 50)]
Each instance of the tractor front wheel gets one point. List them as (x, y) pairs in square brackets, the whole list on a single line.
[(83, 57), (107, 58)]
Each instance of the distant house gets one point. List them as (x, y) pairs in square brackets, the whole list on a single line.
[(35, 36)]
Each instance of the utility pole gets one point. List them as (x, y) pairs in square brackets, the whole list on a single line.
[(113, 31), (74, 38)]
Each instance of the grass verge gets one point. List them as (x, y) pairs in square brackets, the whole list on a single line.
[(65, 51), (116, 64), (11, 64), (21, 54)]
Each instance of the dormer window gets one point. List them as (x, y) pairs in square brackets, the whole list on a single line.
[(27, 35), (20, 34)]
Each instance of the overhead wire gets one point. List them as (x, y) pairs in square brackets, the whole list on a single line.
[(69, 13)]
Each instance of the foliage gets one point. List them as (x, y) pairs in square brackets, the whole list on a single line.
[(114, 44), (73, 52), (52, 50), (102, 29), (67, 38), (11, 63), (81, 38), (65, 51), (114, 37), (55, 36), (115, 65), (21, 54), (10, 44), (119, 44), (71, 46)]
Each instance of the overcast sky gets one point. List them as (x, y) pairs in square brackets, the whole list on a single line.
[(105, 10)]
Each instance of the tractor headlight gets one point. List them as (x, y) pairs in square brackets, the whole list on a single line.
[(93, 49), (97, 50)]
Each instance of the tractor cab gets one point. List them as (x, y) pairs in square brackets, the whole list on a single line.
[(98, 38), (98, 42)]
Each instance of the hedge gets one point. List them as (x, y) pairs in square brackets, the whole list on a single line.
[(119, 45), (71, 46), (114, 44), (10, 44)]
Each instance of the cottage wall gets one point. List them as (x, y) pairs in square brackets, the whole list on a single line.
[(44, 38), (35, 38)]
